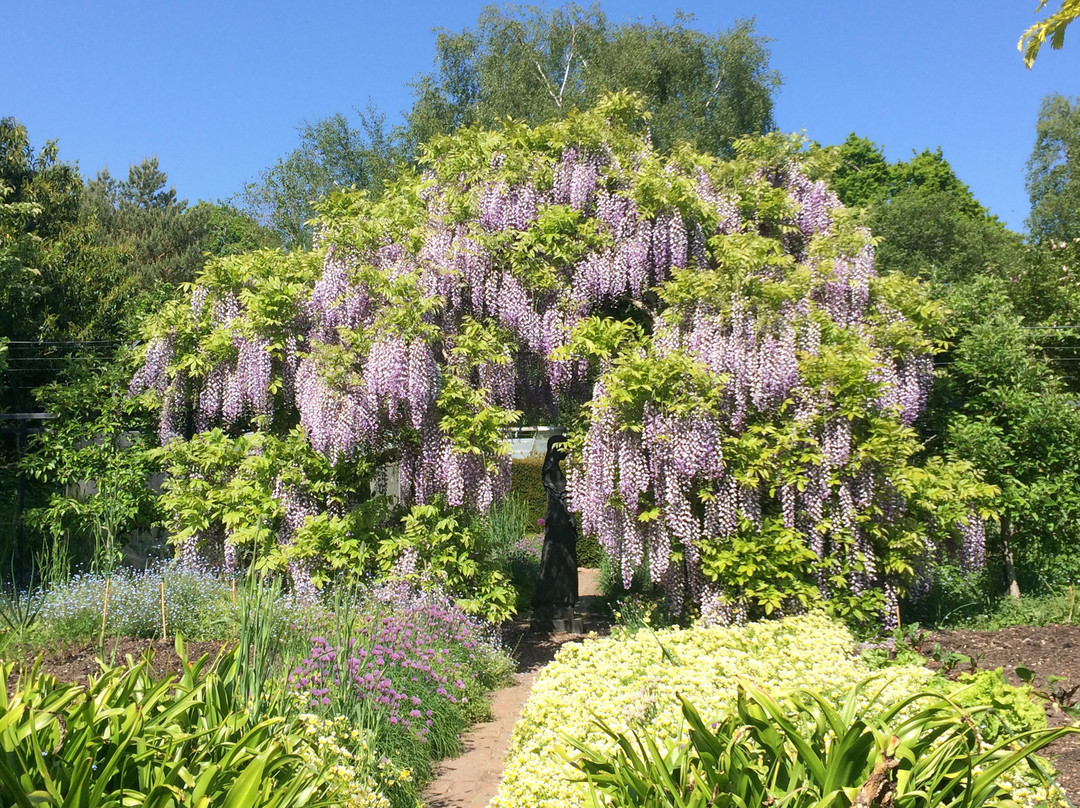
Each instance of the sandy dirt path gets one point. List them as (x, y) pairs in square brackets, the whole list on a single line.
[(471, 780)]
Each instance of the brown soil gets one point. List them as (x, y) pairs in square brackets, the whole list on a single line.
[(1048, 651), (76, 662)]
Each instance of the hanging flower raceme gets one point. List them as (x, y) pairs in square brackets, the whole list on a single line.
[(740, 381)]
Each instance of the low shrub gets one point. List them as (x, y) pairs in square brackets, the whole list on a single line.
[(952, 595), (589, 552), (507, 523), (440, 547), (523, 566), (516, 545), (527, 485), (1014, 709)]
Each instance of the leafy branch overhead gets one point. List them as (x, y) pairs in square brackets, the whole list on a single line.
[(1051, 28)]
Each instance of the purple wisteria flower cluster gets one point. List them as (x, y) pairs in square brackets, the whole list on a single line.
[(757, 353), (435, 312)]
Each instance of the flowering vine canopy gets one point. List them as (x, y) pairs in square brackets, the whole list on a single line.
[(738, 383)]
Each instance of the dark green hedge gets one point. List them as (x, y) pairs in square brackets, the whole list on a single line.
[(528, 485)]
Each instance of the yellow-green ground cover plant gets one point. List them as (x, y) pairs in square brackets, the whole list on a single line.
[(604, 689)]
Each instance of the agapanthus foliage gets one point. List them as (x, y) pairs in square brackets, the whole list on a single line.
[(739, 383)]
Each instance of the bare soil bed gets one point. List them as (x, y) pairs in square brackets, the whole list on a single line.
[(77, 661), (1048, 651)]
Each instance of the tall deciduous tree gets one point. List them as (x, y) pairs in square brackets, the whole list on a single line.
[(537, 65), (1053, 178), (333, 154), (929, 223), (862, 175), (226, 230)]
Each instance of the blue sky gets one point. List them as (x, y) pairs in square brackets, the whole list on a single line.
[(217, 88)]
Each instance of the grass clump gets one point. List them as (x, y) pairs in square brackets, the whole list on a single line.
[(516, 540), (1027, 610)]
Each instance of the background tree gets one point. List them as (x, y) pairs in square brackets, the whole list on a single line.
[(1001, 397), (224, 229), (158, 240), (1053, 178), (537, 65), (1010, 414), (929, 224), (39, 203), (862, 176), (332, 155), (78, 264), (143, 218)]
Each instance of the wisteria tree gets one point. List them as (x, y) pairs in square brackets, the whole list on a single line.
[(738, 382)]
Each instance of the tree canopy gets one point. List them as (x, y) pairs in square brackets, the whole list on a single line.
[(1053, 178), (537, 65), (929, 223), (534, 65), (333, 154), (738, 382), (1000, 400), (39, 207)]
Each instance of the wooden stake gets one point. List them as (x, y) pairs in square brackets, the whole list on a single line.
[(105, 609), (164, 633)]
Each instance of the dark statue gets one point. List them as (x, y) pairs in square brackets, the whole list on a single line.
[(557, 587)]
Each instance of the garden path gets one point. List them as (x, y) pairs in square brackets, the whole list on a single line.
[(471, 780)]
